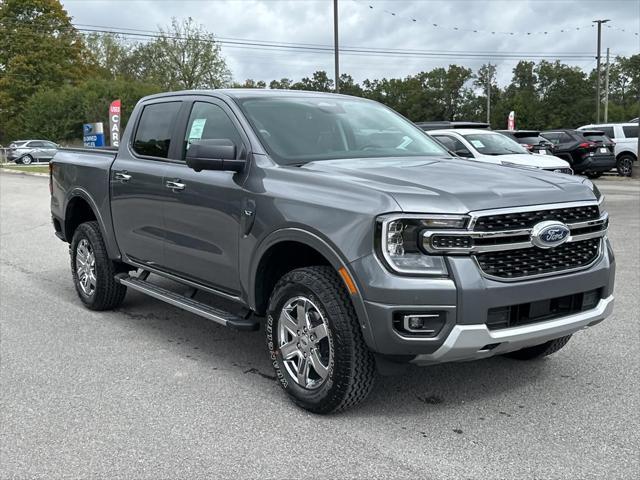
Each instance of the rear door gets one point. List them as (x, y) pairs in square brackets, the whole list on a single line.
[(202, 216), (137, 189)]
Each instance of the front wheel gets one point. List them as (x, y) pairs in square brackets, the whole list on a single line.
[(624, 165), (27, 160), (539, 351), (92, 270), (315, 342)]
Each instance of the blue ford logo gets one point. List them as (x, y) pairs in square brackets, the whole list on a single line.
[(549, 234)]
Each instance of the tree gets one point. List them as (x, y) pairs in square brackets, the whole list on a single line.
[(283, 84), (39, 48), (184, 57), (109, 53), (319, 82)]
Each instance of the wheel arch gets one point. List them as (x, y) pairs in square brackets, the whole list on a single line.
[(80, 208), (296, 248), (627, 152)]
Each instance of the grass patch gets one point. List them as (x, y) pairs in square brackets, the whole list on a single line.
[(28, 168)]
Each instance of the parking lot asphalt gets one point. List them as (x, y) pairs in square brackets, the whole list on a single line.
[(149, 391)]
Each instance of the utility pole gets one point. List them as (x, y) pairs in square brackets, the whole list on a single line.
[(489, 93), (606, 91), (599, 22), (335, 45)]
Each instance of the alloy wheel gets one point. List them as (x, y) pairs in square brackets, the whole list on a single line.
[(303, 338), (86, 267)]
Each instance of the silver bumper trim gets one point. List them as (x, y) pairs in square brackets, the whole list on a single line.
[(468, 342)]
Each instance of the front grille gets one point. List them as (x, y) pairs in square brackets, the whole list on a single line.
[(541, 310), (537, 261), (520, 220)]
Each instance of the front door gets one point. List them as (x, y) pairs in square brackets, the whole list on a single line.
[(137, 188), (202, 209)]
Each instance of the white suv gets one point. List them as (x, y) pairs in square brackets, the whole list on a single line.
[(492, 147), (625, 136)]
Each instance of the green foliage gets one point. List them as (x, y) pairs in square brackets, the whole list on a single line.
[(39, 48)]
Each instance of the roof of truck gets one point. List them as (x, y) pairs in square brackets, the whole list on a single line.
[(251, 92)]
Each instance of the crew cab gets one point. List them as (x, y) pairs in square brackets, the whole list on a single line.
[(352, 238)]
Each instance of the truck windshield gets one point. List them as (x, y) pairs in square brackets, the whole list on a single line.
[(493, 144), (297, 130)]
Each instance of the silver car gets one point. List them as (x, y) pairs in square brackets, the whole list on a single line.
[(29, 151)]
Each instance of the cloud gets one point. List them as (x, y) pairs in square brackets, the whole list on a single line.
[(311, 22)]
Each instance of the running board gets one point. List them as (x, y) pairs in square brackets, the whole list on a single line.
[(189, 304)]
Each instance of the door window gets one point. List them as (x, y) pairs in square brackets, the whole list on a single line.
[(554, 137), (210, 122), (630, 131), (153, 135), (608, 131)]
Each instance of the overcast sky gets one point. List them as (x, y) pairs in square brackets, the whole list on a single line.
[(398, 24)]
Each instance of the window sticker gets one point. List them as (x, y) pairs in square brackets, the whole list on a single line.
[(197, 127), (477, 143)]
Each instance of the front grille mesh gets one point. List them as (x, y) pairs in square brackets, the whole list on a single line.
[(537, 261), (520, 220)]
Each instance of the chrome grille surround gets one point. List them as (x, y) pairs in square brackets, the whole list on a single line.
[(482, 242)]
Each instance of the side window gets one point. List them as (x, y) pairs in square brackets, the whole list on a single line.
[(153, 135), (34, 144), (565, 137), (608, 131), (630, 131), (454, 145), (210, 122), (552, 137)]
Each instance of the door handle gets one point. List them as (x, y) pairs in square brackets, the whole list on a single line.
[(122, 176), (174, 185)]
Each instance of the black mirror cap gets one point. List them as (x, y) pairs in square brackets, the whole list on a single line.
[(214, 154)]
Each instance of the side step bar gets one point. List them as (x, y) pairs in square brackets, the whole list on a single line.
[(189, 304)]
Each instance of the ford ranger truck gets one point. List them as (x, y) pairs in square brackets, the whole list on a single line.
[(356, 241)]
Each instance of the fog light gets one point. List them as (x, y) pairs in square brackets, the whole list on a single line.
[(590, 299), (427, 324)]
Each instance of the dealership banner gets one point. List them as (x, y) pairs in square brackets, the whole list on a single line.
[(93, 134), (511, 121), (114, 123)]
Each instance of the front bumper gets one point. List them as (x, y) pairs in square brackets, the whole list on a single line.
[(474, 342), (465, 299)]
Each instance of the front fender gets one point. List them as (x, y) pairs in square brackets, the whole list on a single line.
[(327, 250)]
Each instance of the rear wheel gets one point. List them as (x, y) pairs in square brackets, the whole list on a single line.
[(539, 351), (624, 165), (92, 270), (315, 342)]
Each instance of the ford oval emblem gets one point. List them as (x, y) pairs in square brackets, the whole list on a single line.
[(549, 234)]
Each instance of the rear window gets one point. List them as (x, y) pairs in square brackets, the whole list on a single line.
[(153, 135), (630, 131), (596, 137)]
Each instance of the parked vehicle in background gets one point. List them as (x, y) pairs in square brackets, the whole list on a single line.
[(492, 147), (584, 155), (625, 137), (531, 140), (29, 151), (426, 126), (353, 237), (634, 120)]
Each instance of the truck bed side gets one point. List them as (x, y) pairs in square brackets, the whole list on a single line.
[(82, 176)]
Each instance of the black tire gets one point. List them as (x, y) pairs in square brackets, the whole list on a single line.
[(539, 351), (624, 165), (351, 374), (107, 293), (594, 174), (26, 160)]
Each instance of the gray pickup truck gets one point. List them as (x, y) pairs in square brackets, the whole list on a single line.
[(356, 240)]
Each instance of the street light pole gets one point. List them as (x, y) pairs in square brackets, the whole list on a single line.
[(606, 91), (599, 22), (335, 45)]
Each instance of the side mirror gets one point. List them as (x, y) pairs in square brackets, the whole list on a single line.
[(215, 154)]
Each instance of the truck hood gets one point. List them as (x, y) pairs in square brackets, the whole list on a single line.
[(527, 159), (455, 185)]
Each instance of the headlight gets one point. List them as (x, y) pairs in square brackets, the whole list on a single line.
[(598, 194), (400, 242)]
